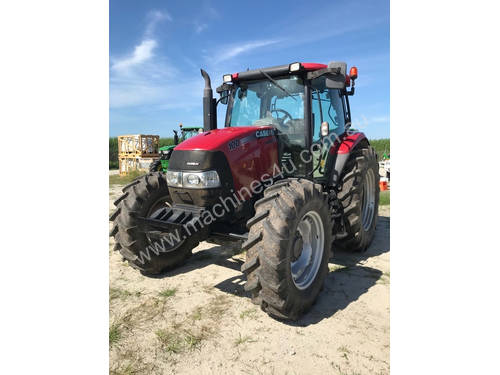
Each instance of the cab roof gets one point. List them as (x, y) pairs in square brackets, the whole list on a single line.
[(274, 71)]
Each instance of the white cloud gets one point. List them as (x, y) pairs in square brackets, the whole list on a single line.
[(236, 50), (142, 53), (140, 77), (155, 17)]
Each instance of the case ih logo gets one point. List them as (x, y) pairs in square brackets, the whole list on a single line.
[(264, 133)]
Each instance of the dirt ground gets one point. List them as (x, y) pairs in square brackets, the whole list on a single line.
[(198, 319)]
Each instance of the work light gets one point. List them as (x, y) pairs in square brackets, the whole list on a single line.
[(294, 67), (227, 78)]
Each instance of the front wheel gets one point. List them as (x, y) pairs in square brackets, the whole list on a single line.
[(151, 255), (288, 248)]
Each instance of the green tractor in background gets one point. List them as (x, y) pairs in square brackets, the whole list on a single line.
[(186, 132)]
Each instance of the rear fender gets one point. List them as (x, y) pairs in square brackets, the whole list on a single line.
[(339, 154)]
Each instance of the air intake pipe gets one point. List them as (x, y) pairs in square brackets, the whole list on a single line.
[(209, 105)]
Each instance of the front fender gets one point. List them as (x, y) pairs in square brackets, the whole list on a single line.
[(339, 154)]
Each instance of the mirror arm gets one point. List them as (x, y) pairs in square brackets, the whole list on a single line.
[(318, 73), (222, 97)]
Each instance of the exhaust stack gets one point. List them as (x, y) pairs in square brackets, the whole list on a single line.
[(209, 105)]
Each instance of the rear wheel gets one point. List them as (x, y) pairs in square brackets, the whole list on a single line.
[(359, 197), (288, 248), (142, 198)]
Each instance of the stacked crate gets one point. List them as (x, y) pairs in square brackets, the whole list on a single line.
[(136, 152)]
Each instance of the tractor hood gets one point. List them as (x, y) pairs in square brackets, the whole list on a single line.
[(240, 155), (226, 139)]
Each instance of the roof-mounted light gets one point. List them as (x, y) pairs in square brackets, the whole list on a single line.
[(295, 67), (353, 73), (227, 78)]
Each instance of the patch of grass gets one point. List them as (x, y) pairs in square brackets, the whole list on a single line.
[(169, 292), (116, 179), (249, 313), (197, 313), (343, 349), (176, 340), (171, 342), (147, 311), (115, 333), (242, 340), (385, 198), (125, 369), (115, 293), (218, 306)]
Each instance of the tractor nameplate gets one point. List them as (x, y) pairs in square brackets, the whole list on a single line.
[(264, 133)]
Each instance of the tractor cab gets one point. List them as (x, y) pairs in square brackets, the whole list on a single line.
[(302, 102)]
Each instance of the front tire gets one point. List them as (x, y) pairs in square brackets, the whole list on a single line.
[(288, 248), (141, 198)]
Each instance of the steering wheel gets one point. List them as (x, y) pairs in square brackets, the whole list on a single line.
[(282, 120)]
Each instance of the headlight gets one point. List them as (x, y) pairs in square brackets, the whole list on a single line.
[(193, 180), (174, 178)]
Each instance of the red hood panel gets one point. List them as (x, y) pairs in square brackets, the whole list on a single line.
[(251, 152), (218, 139)]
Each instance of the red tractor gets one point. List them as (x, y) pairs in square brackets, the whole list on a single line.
[(285, 177)]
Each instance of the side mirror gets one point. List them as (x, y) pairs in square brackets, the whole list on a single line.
[(325, 129), (176, 138), (337, 81)]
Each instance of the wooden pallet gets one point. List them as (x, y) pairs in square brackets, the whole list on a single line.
[(128, 164), (138, 145)]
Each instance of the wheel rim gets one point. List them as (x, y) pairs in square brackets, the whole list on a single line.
[(368, 201), (305, 265), (158, 205)]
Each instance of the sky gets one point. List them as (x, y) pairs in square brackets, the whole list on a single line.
[(158, 47)]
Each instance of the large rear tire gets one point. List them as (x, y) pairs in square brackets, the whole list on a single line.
[(359, 197), (288, 248), (141, 198)]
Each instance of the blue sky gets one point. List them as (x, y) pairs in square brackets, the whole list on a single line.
[(158, 47)]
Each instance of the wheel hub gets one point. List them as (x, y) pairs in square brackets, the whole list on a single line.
[(307, 249)]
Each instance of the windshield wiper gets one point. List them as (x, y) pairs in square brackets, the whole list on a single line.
[(278, 85)]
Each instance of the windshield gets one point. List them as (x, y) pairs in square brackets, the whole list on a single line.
[(186, 134), (279, 103)]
